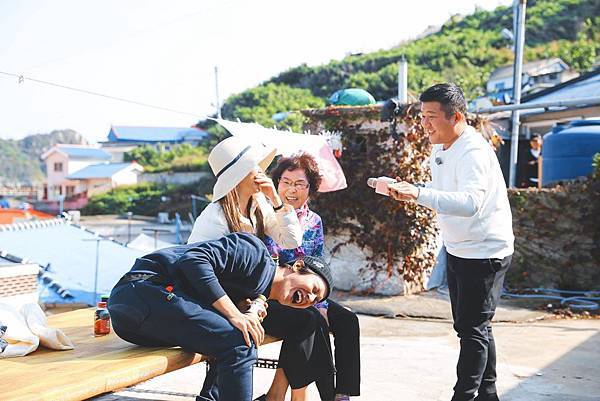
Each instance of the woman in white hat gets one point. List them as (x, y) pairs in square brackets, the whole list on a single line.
[(245, 200)]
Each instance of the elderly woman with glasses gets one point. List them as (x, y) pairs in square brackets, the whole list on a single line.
[(296, 179)]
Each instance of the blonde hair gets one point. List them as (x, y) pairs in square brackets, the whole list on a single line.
[(230, 204)]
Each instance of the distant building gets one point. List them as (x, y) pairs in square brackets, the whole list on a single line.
[(541, 121), (74, 173), (99, 178), (122, 139), (537, 75), (63, 160)]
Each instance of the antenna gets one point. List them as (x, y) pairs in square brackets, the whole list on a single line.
[(217, 92)]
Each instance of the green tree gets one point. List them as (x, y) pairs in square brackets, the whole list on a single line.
[(260, 104)]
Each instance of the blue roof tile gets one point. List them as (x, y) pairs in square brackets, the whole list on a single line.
[(71, 252), (83, 153), (155, 134), (98, 171)]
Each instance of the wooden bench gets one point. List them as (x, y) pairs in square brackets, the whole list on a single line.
[(97, 364)]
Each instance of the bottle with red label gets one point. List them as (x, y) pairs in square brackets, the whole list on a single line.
[(101, 320)]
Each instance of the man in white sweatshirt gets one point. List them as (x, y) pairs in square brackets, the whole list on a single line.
[(468, 193)]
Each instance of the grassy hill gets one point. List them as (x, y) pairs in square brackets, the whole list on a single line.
[(465, 50), (20, 159)]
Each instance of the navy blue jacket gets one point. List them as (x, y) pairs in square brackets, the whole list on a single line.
[(238, 265)]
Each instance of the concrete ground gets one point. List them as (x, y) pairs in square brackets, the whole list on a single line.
[(413, 359)]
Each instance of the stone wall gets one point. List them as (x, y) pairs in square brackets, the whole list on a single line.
[(557, 236)]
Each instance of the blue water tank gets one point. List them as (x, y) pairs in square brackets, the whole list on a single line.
[(569, 149)]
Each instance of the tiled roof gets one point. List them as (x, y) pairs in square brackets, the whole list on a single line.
[(100, 171), (155, 134), (69, 253), (84, 152), (8, 216)]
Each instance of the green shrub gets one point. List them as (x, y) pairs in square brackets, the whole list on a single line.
[(596, 164), (149, 199), (183, 157)]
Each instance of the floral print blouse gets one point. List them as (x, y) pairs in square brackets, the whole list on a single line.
[(312, 240)]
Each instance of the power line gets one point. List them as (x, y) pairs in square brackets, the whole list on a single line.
[(22, 79)]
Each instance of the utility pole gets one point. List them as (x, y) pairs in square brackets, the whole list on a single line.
[(97, 239), (217, 92), (129, 216), (519, 8), (403, 81)]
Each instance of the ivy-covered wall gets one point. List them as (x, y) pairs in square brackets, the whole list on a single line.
[(397, 239), (557, 236)]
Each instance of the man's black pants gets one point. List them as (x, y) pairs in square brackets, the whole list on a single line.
[(475, 286)]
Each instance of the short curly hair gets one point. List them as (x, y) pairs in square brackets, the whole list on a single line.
[(302, 161)]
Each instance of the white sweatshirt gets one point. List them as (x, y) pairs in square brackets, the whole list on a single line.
[(468, 193), (282, 225)]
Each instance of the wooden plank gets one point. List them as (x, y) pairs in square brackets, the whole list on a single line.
[(96, 365)]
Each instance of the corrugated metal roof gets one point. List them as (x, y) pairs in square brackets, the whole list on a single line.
[(586, 86), (71, 252), (155, 134), (84, 153), (532, 68), (100, 171)]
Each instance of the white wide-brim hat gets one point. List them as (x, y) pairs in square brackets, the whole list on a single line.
[(232, 159)]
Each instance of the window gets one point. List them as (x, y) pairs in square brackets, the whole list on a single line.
[(70, 190), (58, 167), (499, 86)]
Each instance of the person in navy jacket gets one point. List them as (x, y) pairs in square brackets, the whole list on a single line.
[(187, 295)]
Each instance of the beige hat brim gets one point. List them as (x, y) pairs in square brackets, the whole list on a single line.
[(230, 178)]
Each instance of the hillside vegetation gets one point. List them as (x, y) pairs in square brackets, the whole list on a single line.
[(20, 159), (465, 50)]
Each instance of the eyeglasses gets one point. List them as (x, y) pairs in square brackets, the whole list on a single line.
[(299, 185)]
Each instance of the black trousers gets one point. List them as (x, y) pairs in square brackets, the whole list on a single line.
[(305, 354), (475, 286), (308, 358), (346, 333)]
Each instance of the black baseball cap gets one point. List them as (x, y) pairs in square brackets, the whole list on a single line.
[(319, 266)]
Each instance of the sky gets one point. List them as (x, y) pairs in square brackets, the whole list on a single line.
[(164, 53)]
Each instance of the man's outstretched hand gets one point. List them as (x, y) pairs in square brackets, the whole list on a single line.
[(403, 191)]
